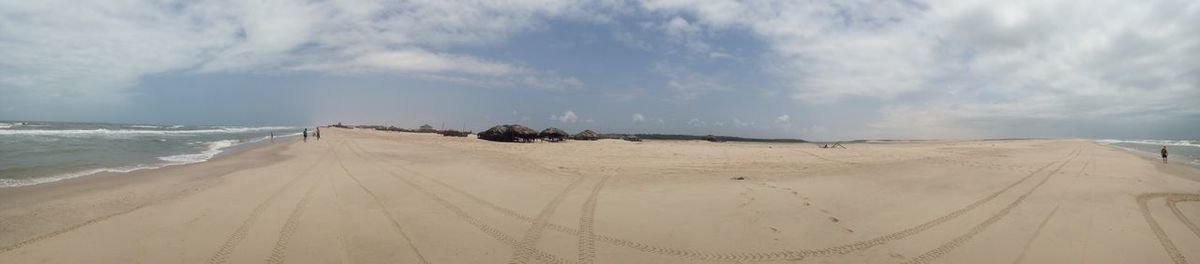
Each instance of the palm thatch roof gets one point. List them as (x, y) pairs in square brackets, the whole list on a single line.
[(553, 134), (509, 133), (587, 135)]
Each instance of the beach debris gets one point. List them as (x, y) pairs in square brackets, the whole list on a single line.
[(455, 133), (835, 145), (834, 219), (711, 138), (553, 135), (509, 133), (738, 178), (587, 135)]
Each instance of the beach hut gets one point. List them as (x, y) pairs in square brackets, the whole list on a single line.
[(553, 135), (509, 133), (426, 128), (587, 135)]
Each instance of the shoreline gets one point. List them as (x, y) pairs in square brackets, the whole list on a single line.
[(162, 164), (104, 180), (377, 197)]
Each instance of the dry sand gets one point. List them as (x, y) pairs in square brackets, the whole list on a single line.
[(376, 197)]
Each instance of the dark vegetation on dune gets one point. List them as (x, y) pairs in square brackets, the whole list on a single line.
[(519, 133)]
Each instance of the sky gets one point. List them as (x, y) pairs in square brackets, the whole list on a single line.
[(820, 70)]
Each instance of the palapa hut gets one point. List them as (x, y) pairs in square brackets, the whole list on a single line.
[(426, 128), (587, 135), (553, 135), (509, 133)]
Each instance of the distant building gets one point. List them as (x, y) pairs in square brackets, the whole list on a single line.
[(426, 128)]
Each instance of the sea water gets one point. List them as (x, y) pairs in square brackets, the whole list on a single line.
[(40, 152), (1186, 151)]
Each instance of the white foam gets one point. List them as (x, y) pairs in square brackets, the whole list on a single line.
[(26, 182), (214, 148), (102, 131), (1160, 142)]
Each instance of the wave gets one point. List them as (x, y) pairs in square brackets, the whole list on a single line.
[(103, 131), (214, 148), (1160, 142)]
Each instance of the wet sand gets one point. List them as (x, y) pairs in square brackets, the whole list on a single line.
[(361, 196)]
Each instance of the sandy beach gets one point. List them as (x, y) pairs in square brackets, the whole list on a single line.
[(360, 196)]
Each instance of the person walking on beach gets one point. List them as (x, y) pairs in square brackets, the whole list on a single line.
[(306, 134), (1164, 153), (318, 133), (272, 137)]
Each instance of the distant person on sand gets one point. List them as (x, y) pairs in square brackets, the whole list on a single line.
[(1164, 153), (318, 133), (306, 134), (272, 136)]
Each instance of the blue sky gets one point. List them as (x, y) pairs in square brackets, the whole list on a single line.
[(781, 69)]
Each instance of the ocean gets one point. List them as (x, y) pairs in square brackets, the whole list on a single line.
[(1187, 151), (34, 152)]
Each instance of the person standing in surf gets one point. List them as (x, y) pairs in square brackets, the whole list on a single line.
[(306, 134), (1164, 154)]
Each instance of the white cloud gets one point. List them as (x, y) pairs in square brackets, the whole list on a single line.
[(740, 123), (566, 117), (638, 118), (103, 46), (784, 121), (695, 122), (974, 68), (685, 84)]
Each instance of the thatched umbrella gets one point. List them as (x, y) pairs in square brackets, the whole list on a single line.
[(524, 133), (587, 135), (553, 135), (509, 133)]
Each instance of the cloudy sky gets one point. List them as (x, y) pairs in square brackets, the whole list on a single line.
[(779, 69)]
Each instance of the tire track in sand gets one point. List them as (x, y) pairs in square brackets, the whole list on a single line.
[(587, 233), (289, 227), (753, 256), (68, 229), (1172, 251), (523, 249), (1036, 232), (756, 256), (389, 215), (462, 214), (979, 228), (226, 251), (1172, 202)]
